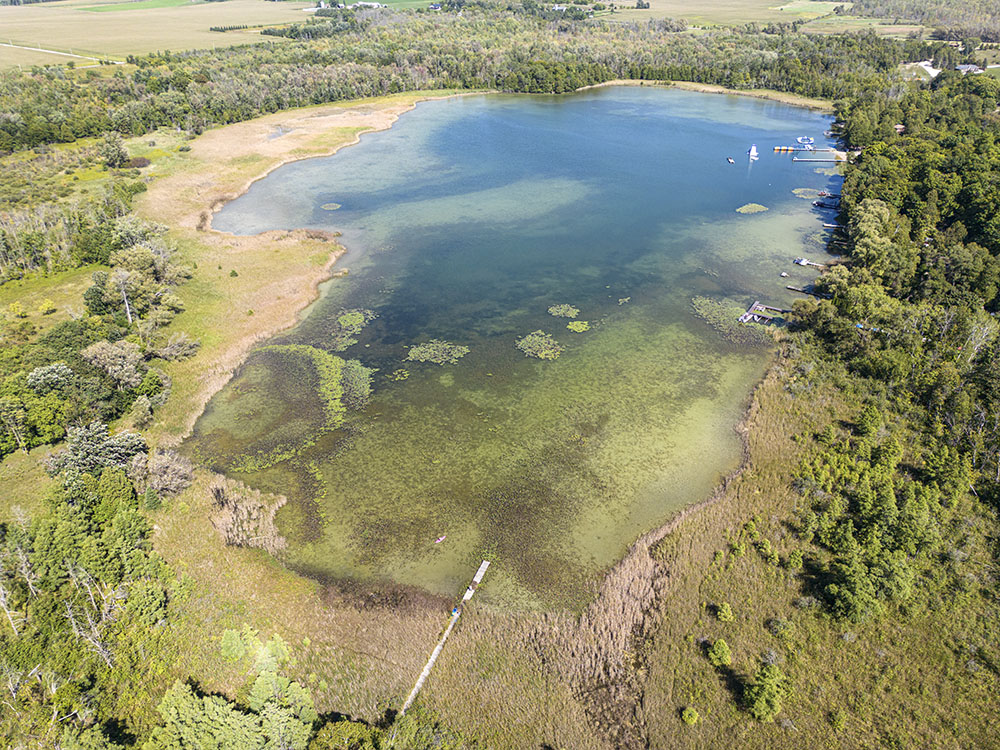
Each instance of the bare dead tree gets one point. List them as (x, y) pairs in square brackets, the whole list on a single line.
[(27, 570), (13, 616), (82, 581), (90, 634)]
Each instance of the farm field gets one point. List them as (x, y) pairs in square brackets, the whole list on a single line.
[(120, 29), (731, 11), (11, 57), (844, 24)]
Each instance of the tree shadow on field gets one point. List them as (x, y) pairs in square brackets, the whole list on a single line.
[(734, 682)]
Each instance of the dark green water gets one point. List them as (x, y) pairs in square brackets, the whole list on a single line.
[(465, 221)]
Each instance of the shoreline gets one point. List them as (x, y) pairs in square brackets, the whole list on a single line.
[(197, 216), (369, 117), (392, 116), (630, 594), (229, 160), (795, 100), (188, 199)]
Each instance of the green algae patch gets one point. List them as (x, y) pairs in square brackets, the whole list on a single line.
[(578, 326), (564, 311), (805, 193), (751, 208), (437, 351), (539, 344)]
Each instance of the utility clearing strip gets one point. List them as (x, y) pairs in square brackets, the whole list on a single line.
[(455, 614)]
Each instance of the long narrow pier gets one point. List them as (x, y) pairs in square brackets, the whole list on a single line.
[(824, 161), (455, 614), (808, 290), (792, 149)]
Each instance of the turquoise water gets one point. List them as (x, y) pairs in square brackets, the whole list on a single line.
[(465, 222)]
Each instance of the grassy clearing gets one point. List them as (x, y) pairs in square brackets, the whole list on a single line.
[(25, 485), (11, 57), (150, 28), (65, 291)]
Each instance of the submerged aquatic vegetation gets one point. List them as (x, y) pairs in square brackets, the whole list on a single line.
[(807, 193), (723, 316), (328, 370), (396, 375), (539, 344), (564, 311), (751, 208), (265, 459), (356, 383), (348, 325), (578, 326), (437, 351), (623, 300), (338, 382)]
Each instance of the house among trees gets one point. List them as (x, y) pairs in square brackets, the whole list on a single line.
[(968, 68)]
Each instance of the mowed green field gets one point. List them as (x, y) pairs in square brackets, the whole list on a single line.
[(119, 29)]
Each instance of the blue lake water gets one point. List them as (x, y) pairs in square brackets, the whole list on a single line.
[(465, 222)]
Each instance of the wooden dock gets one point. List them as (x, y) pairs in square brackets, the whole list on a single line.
[(455, 614), (758, 313)]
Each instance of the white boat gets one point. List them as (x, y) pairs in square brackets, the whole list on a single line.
[(752, 153), (805, 140)]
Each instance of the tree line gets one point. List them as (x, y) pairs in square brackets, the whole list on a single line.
[(194, 90)]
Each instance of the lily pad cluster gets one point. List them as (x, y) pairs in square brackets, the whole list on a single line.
[(539, 344), (348, 326), (437, 351), (751, 208), (578, 326), (564, 311)]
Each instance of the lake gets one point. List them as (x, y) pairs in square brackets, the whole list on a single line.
[(465, 222)]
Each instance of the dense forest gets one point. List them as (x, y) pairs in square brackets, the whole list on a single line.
[(912, 316), (910, 321)]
